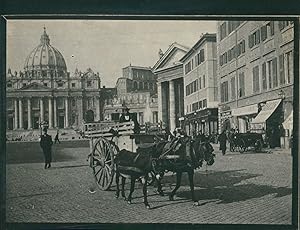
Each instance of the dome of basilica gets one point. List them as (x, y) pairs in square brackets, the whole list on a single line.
[(45, 60)]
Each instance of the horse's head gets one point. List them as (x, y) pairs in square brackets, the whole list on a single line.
[(204, 151)]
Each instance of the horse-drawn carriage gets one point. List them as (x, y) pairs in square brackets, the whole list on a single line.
[(114, 146), (244, 141)]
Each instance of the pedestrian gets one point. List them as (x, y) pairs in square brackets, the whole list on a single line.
[(222, 141), (46, 143), (56, 139)]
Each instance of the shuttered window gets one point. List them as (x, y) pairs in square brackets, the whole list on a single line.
[(255, 79), (281, 70)]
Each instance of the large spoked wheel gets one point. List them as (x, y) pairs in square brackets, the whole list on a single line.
[(242, 146), (102, 158)]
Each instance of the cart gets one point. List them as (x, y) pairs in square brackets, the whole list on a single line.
[(244, 141), (106, 140)]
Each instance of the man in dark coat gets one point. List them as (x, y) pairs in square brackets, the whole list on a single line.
[(222, 140), (46, 143)]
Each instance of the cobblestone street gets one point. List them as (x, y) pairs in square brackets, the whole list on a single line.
[(248, 188)]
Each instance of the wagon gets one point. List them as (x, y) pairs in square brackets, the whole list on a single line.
[(244, 141), (106, 140)]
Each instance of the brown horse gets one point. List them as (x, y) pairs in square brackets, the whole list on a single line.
[(184, 156)]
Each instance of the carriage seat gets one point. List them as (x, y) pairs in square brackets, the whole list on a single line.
[(146, 145)]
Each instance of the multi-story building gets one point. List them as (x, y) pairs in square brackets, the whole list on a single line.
[(200, 84), (169, 71), (45, 91), (137, 91), (255, 74)]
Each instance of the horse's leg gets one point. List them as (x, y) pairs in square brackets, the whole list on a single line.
[(123, 187), (144, 182), (159, 187), (178, 182), (117, 183), (132, 183), (191, 180)]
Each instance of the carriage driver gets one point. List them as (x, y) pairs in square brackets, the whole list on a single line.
[(127, 116)]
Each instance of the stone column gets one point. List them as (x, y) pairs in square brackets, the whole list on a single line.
[(50, 113), (172, 106), (54, 112), (41, 109), (79, 107), (159, 101), (29, 113), (164, 104), (97, 108), (16, 114), (66, 112), (20, 114)]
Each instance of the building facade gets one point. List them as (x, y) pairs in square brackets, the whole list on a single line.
[(137, 91), (45, 91), (255, 74), (200, 86), (169, 71)]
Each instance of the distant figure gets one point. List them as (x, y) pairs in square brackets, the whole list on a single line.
[(127, 116), (46, 143), (222, 140), (56, 139)]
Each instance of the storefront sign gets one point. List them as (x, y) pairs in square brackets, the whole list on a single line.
[(246, 110)]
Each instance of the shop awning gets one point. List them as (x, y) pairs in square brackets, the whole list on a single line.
[(266, 111), (246, 110)]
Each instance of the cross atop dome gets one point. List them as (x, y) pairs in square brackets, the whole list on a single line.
[(45, 38)]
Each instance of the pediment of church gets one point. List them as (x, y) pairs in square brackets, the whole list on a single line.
[(35, 86), (171, 57)]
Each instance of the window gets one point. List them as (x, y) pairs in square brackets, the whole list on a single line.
[(264, 76), (255, 72), (274, 71), (73, 85), (45, 84), (283, 24), (135, 85), (289, 67), (140, 85), (73, 102), (60, 84), (263, 33), (269, 65), (223, 31), (281, 70), (89, 83), (270, 28), (200, 83), (203, 81), (204, 103), (224, 91), (187, 68), (232, 82), (200, 105), (254, 38), (201, 55), (241, 85), (24, 84), (195, 106), (9, 85)]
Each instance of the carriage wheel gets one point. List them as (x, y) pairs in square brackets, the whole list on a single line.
[(103, 163), (258, 145), (242, 146)]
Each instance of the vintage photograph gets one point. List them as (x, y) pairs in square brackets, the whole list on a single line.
[(149, 121)]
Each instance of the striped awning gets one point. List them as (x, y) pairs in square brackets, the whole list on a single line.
[(266, 111)]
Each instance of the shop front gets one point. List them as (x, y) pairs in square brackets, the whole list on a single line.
[(269, 122), (204, 121), (243, 116)]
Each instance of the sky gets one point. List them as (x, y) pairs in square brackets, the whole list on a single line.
[(105, 46)]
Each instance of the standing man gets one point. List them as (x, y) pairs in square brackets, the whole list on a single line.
[(56, 138), (46, 143), (222, 140)]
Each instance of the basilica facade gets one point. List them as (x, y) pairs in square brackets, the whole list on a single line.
[(45, 92)]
